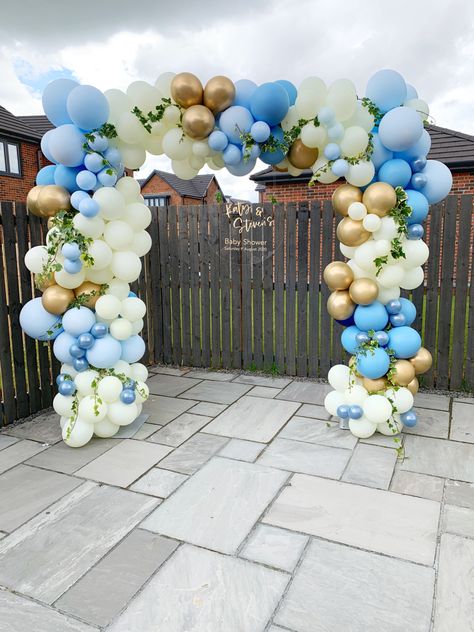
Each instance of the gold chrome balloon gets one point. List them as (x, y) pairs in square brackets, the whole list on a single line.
[(351, 232), (343, 197), (403, 372), (32, 200), (219, 93), (56, 299), (338, 275), (186, 89), (413, 386), (198, 122), (379, 198), (300, 156), (88, 288), (364, 291), (340, 305), (52, 199), (373, 386), (422, 360)]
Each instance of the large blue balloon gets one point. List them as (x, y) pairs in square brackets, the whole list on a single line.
[(373, 316), (242, 168), (290, 89), (419, 150), (396, 172), (408, 310), (87, 107), (411, 92), (65, 144), (45, 145), (380, 154), (62, 346), (46, 175), (55, 98), (374, 364), (244, 88), (274, 157), (38, 323), (387, 89), (348, 339), (66, 177), (78, 320), (105, 352), (419, 205), (133, 349), (234, 121), (270, 103), (439, 181), (405, 341), (400, 128)]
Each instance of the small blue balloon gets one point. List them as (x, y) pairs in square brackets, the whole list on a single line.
[(71, 251), (66, 177), (398, 320), (400, 128), (274, 157), (232, 155), (355, 411), (387, 89), (269, 103), (290, 89), (87, 107), (97, 142), (409, 418), (88, 207), (326, 115), (38, 323), (86, 341), (349, 340), (394, 306), (107, 177), (260, 131), (244, 88), (418, 164), (332, 151), (217, 140), (72, 267), (408, 310), (113, 156), (94, 162), (340, 167), (77, 197), (404, 341), (65, 144), (380, 154), (374, 364), (86, 180), (395, 172), (381, 337), (373, 316), (99, 330), (61, 347), (67, 388), (61, 378), (78, 320), (55, 98), (76, 351), (132, 295), (343, 411), (80, 364), (419, 206), (362, 338), (415, 231), (418, 181), (130, 384), (127, 396), (46, 175), (336, 131), (235, 121)]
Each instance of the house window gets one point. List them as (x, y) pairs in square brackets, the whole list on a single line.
[(156, 200), (9, 158)]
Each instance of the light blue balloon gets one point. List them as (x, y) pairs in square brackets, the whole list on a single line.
[(232, 155), (340, 167), (439, 181), (107, 179), (349, 340), (87, 107), (114, 156), (255, 151), (274, 157), (62, 346), (94, 162), (133, 349), (332, 151), (98, 142), (418, 181), (77, 197), (326, 115), (400, 128), (419, 150), (78, 320), (387, 89), (419, 206), (105, 352), (373, 316), (66, 145), (411, 92), (260, 131), (242, 168), (217, 140), (89, 207), (408, 310), (45, 145), (270, 103), (36, 322), (380, 154), (374, 364), (55, 98), (72, 267), (234, 121), (46, 175), (336, 131), (405, 341), (66, 177), (244, 88), (396, 172), (86, 180), (290, 89)]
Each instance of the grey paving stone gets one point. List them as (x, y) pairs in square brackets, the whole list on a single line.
[(18, 614), (264, 391), (383, 440), (448, 459), (431, 423), (193, 453), (127, 432), (263, 380), (252, 418), (455, 586), (461, 494), (145, 431), (208, 409), (158, 482), (462, 422), (459, 520), (62, 458), (170, 370), (274, 547), (47, 555), (372, 519), (314, 411), (276, 628), (169, 385), (216, 376), (371, 465), (317, 431), (2, 534), (420, 485), (464, 400), (305, 392), (242, 450), (340, 588), (6, 441), (25, 491), (308, 458), (224, 393), (203, 591), (204, 510), (44, 428), (180, 429), (431, 400), (162, 410), (124, 463), (103, 592), (19, 452)]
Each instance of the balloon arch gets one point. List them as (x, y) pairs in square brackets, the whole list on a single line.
[(97, 224)]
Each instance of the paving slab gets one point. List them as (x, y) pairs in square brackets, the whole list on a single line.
[(431, 423), (274, 547), (252, 418), (341, 588), (207, 408), (305, 392), (169, 385), (242, 450), (371, 465), (62, 458), (462, 422), (145, 431), (372, 519), (263, 380), (158, 482), (19, 452), (204, 510), (385, 441), (170, 370), (6, 441), (192, 454), (459, 520), (431, 400), (317, 431), (203, 591), (47, 555), (124, 463), (44, 428), (448, 459), (420, 485), (103, 592), (264, 391), (162, 409), (224, 393), (177, 431), (216, 376), (461, 494), (127, 432), (314, 411)]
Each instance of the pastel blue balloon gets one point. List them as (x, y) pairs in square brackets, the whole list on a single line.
[(291, 90), (387, 89), (411, 92), (418, 181), (439, 181), (408, 310), (55, 98), (418, 164), (66, 177), (72, 267), (114, 156), (326, 115), (86, 180), (36, 322), (409, 418), (340, 167), (242, 168), (127, 396), (65, 145), (132, 295), (380, 154), (105, 352), (270, 103), (355, 411), (87, 107), (405, 341), (244, 88), (400, 128), (98, 142), (217, 140), (332, 151), (234, 121), (374, 365), (336, 131), (419, 205), (62, 346), (349, 339), (396, 172), (255, 151), (77, 197), (94, 162), (46, 175), (260, 131), (45, 145), (373, 316), (274, 157), (232, 155), (78, 320), (418, 150), (89, 207), (71, 251), (133, 349), (415, 231), (107, 179)]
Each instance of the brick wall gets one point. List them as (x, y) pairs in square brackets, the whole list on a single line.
[(16, 189)]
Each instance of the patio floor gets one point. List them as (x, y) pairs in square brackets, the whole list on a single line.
[(238, 506)]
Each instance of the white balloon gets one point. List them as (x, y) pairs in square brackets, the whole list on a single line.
[(132, 308), (139, 371), (121, 328), (70, 281), (365, 255), (92, 409), (382, 247), (92, 227), (354, 141), (391, 275), (142, 392), (355, 394), (83, 382), (111, 202), (138, 216), (63, 404), (357, 210), (99, 276), (108, 306), (347, 251), (362, 428), (163, 83), (118, 235), (101, 253), (130, 130), (387, 294), (402, 398), (80, 434), (175, 145), (126, 265), (122, 414), (416, 253), (332, 401), (36, 258), (361, 173), (129, 188), (412, 278), (339, 377), (105, 428), (118, 288), (109, 388), (141, 243), (63, 421), (123, 367), (388, 229), (377, 408), (313, 137), (137, 326), (371, 222), (68, 369), (342, 98), (390, 428), (359, 273)]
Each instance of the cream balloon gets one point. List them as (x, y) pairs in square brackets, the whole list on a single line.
[(382, 247), (175, 145), (68, 369), (133, 156), (361, 173), (92, 227), (123, 367), (325, 177), (118, 288), (163, 83), (142, 392), (101, 253), (70, 281), (92, 409), (111, 203), (108, 306), (99, 276), (137, 215), (291, 119), (183, 169), (144, 95), (361, 118), (362, 428), (137, 326), (371, 222), (347, 251), (420, 106), (416, 253), (354, 141), (84, 381), (132, 308), (109, 388), (36, 258), (377, 409), (122, 414), (313, 137), (332, 401), (118, 235), (63, 405), (391, 275), (80, 434), (118, 103), (402, 399), (141, 243), (357, 210), (140, 372), (412, 278), (105, 429), (390, 428), (129, 188), (130, 130), (126, 265), (355, 394), (387, 294), (339, 377), (342, 98), (121, 328)]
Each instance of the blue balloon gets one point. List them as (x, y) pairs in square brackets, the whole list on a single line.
[(232, 155), (114, 156), (60, 378), (418, 181), (374, 364), (127, 396), (46, 175), (106, 178), (332, 151), (55, 98), (130, 384), (78, 320), (411, 92), (132, 295), (98, 142), (86, 180), (415, 231), (387, 89), (336, 131), (398, 320), (419, 150), (244, 88), (400, 128), (234, 121), (77, 197), (405, 341), (349, 339), (99, 330), (260, 131), (290, 89), (396, 172), (88, 207), (94, 162), (76, 351), (340, 167), (326, 115), (381, 337), (355, 411), (71, 251), (133, 349), (80, 364), (86, 341), (38, 323), (217, 140), (380, 154), (105, 352), (409, 418), (419, 206), (418, 164), (87, 107), (274, 157), (72, 266), (67, 388), (408, 310), (394, 306), (348, 322), (242, 168), (66, 145), (66, 177), (270, 103), (362, 337), (45, 145), (373, 316), (62, 346), (439, 181), (343, 411)]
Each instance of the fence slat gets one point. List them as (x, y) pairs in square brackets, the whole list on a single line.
[(236, 264), (225, 257), (184, 281), (205, 298), (256, 234), (314, 287), (246, 324), (165, 282), (279, 284), (215, 273), (326, 258), (175, 288), (291, 288), (195, 290), (155, 310), (268, 307), (302, 292)]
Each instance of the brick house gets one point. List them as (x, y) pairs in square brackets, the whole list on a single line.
[(161, 188)]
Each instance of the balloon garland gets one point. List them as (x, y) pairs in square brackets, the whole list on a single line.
[(97, 224)]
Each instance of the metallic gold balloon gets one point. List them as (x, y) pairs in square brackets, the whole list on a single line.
[(403, 372), (343, 197), (351, 232), (47, 282), (186, 89), (379, 198), (340, 305), (56, 299), (32, 200), (422, 360), (300, 156), (88, 288), (374, 386), (52, 199), (219, 93), (338, 275), (363, 291), (414, 386), (198, 122)]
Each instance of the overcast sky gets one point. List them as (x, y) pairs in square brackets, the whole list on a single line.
[(111, 44)]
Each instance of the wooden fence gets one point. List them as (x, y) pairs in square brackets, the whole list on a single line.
[(239, 286)]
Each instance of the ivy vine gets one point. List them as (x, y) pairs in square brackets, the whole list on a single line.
[(400, 213)]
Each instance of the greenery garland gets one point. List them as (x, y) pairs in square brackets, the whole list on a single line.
[(400, 213)]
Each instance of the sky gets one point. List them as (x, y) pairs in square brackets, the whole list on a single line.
[(110, 44)]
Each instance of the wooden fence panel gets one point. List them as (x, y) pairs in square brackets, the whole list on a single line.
[(205, 294), (155, 310), (314, 288), (302, 292), (326, 258), (246, 299), (184, 282), (214, 269), (268, 306), (256, 235), (291, 256), (225, 271), (165, 282), (279, 284)]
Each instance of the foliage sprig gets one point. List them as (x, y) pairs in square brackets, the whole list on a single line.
[(147, 119), (400, 213)]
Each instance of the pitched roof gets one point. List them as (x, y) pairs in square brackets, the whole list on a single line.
[(13, 126), (39, 123), (194, 188)]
